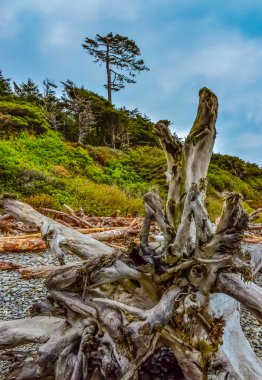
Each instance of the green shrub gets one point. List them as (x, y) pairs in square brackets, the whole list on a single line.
[(101, 199), (214, 207), (32, 182), (42, 200), (45, 170), (247, 207), (16, 116)]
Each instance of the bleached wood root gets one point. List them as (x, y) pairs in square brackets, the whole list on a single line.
[(121, 306), (30, 330), (248, 293), (256, 256), (236, 352)]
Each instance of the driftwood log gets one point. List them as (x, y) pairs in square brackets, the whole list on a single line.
[(116, 308), (33, 242)]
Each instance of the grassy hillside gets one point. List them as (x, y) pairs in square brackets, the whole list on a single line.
[(41, 168)]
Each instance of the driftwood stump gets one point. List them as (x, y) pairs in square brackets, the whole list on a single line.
[(107, 314)]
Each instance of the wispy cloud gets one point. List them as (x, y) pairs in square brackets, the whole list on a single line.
[(54, 10), (58, 35)]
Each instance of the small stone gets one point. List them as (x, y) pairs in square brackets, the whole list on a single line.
[(24, 289)]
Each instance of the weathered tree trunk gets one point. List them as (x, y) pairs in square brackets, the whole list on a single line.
[(119, 307), (108, 73), (11, 244), (8, 265), (35, 243)]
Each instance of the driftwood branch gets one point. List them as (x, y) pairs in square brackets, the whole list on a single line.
[(31, 330), (248, 293)]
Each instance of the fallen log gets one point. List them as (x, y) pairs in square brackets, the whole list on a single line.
[(22, 245), (253, 240), (100, 221), (71, 218), (80, 219), (82, 230), (27, 273), (25, 236), (34, 242), (98, 229), (254, 228), (37, 272), (9, 265)]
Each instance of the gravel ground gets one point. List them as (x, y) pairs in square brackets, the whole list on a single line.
[(17, 296), (251, 327)]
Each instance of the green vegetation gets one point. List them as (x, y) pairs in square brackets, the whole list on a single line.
[(46, 171), (17, 115), (42, 162)]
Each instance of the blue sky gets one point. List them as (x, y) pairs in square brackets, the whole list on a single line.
[(187, 44)]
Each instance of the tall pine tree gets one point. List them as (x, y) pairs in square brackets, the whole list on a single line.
[(120, 55)]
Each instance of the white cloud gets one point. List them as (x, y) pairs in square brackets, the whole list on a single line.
[(88, 10), (249, 141), (59, 35), (8, 25), (59, 18), (228, 63)]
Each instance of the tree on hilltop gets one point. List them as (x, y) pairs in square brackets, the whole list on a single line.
[(119, 53), (5, 88), (28, 90)]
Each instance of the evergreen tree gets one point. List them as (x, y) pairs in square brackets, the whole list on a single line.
[(49, 89), (79, 104), (97, 120), (28, 90), (120, 54), (50, 104), (5, 88)]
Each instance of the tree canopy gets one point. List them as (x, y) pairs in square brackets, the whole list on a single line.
[(120, 54)]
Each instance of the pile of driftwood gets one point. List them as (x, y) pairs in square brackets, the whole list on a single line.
[(253, 235), (18, 237), (105, 315), (118, 232)]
